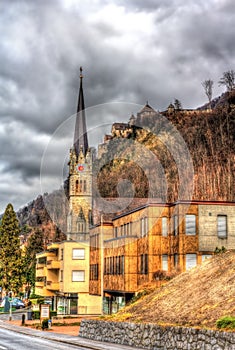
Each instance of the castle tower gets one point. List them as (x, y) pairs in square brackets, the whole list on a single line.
[(80, 176)]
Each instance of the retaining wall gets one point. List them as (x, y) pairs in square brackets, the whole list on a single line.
[(151, 336)]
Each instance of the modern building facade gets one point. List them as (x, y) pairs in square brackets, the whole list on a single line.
[(153, 242)]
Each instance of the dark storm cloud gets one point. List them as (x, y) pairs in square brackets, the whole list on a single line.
[(131, 51)]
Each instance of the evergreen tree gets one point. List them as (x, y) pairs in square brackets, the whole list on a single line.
[(35, 244), (11, 276)]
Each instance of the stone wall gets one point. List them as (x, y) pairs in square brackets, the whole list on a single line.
[(150, 336)]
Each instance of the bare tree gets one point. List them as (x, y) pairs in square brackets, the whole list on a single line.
[(208, 86), (177, 104), (228, 79)]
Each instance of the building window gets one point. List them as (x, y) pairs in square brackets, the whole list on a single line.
[(84, 186), (222, 226), (61, 254), (79, 253), (122, 265), (78, 276), (164, 226), (61, 275), (190, 225), (77, 186), (107, 266), (144, 264), (94, 272), (175, 225), (165, 262), (81, 227), (94, 242), (144, 226), (191, 261), (129, 231), (115, 230), (176, 260)]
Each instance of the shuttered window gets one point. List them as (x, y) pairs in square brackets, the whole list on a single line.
[(222, 226), (191, 261), (164, 226), (190, 225), (165, 262)]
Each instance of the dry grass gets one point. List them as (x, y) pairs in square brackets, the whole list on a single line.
[(195, 298)]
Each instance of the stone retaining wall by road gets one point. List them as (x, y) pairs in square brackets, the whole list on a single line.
[(150, 336)]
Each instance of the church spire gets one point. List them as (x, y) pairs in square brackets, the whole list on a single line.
[(80, 134)]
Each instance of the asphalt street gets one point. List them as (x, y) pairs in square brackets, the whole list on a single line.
[(10, 340), (14, 337)]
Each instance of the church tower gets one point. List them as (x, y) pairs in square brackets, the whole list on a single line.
[(80, 177)]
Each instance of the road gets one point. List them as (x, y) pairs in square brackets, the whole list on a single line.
[(10, 340)]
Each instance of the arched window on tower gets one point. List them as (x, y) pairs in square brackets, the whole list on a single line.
[(76, 187), (84, 186)]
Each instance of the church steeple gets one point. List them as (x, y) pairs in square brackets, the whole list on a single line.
[(80, 133)]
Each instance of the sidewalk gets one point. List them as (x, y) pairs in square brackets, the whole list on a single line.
[(64, 338)]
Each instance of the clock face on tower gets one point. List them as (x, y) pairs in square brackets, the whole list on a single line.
[(81, 167)]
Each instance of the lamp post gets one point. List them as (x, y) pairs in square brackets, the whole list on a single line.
[(10, 301)]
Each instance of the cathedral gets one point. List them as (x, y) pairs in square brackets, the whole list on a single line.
[(80, 177)]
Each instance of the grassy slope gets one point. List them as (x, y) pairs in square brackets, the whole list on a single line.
[(197, 297)]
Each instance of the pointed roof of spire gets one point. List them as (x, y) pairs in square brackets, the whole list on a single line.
[(80, 133)]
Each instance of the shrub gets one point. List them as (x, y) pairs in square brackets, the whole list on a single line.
[(34, 296), (220, 250), (45, 323), (36, 315), (226, 322), (40, 300)]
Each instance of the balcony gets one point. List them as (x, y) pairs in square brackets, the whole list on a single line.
[(53, 264), (39, 284), (40, 271), (53, 285), (40, 265)]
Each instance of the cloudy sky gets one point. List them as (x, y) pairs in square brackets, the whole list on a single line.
[(131, 51)]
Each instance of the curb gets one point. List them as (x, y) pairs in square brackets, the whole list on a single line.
[(77, 341)]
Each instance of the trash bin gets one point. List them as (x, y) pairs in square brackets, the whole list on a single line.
[(29, 315)]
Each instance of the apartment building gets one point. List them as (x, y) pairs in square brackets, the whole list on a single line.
[(62, 273)]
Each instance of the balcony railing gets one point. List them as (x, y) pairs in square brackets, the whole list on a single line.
[(39, 284), (40, 272), (53, 264), (53, 285)]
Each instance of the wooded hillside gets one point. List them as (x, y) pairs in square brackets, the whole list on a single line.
[(210, 139)]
